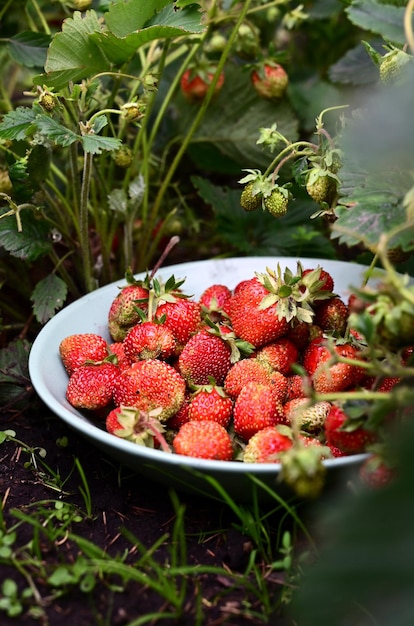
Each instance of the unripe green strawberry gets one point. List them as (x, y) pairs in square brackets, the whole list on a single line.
[(276, 203), (123, 157), (323, 189), (47, 101), (248, 200), (392, 65)]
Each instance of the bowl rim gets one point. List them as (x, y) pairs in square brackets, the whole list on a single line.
[(81, 423)]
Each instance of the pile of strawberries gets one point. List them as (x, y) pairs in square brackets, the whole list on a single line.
[(246, 374)]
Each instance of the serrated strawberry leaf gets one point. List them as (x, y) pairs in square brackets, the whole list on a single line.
[(14, 362), (72, 54), (17, 124), (94, 144), (29, 48), (31, 243), (377, 17), (48, 296)]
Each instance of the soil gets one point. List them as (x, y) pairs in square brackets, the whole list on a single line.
[(120, 500)]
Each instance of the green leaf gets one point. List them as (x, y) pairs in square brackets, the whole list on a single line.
[(123, 18), (13, 362), (30, 244), (73, 55), (29, 48), (48, 296), (355, 67), (17, 124), (376, 17), (95, 143), (122, 41), (55, 132)]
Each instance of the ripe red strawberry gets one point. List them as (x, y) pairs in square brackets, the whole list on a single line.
[(182, 416), (270, 80), (210, 402), (324, 276), (280, 355), (76, 349), (148, 385), (243, 372), (375, 472), (204, 440), (182, 317), (204, 357), (266, 446), (256, 408), (250, 321), (308, 417), (195, 83), (117, 348), (327, 375), (144, 429), (344, 433), (213, 299), (150, 340), (296, 387), (123, 312), (90, 386), (332, 315)]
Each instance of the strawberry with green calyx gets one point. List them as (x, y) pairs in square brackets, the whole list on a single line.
[(90, 386), (210, 402), (276, 202), (140, 427), (124, 311), (321, 185), (319, 274), (266, 446), (255, 408), (213, 301), (148, 385), (117, 348), (204, 440), (270, 79), (345, 427), (239, 348), (303, 470), (197, 80), (263, 309), (254, 317), (180, 313), (392, 66), (251, 197), (75, 350), (305, 415), (261, 190), (203, 357)]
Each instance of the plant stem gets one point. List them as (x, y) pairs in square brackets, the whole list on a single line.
[(84, 222), (196, 122)]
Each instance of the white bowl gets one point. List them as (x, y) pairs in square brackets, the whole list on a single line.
[(89, 314)]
